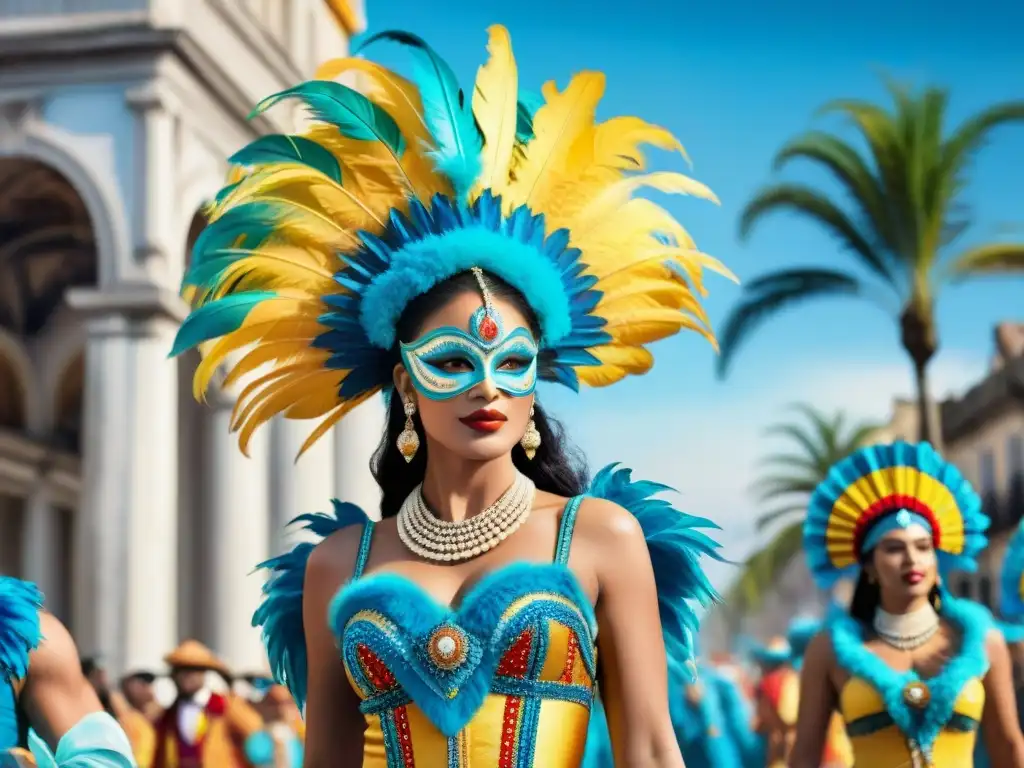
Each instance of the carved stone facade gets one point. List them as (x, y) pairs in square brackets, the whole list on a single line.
[(129, 503)]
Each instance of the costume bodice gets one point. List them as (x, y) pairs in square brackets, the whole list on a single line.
[(891, 716), (505, 679)]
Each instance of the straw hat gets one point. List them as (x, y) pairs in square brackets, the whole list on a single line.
[(192, 654)]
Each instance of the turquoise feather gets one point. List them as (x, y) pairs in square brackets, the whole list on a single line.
[(216, 319), (354, 115), (279, 148), (448, 114), (20, 603)]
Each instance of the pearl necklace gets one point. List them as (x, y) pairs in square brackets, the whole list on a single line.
[(906, 631), (444, 540)]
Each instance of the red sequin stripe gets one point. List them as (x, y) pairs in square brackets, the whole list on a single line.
[(570, 658), (888, 504), (513, 664), (376, 670), (404, 737)]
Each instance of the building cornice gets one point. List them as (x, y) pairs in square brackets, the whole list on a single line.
[(350, 20), (999, 390)]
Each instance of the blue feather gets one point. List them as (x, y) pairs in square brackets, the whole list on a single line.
[(278, 148), (675, 545), (354, 115), (1011, 601), (279, 616), (447, 112), (216, 319), (20, 603)]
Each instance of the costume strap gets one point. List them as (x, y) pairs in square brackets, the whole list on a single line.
[(364, 550), (565, 529)]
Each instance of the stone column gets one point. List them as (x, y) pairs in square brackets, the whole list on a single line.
[(355, 439), (125, 541), (40, 545), (238, 537), (297, 487)]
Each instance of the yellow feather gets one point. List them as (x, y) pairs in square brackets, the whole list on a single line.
[(617, 142), (600, 375), (270, 401), (495, 98), (399, 97), (285, 351), (318, 402), (633, 360), (618, 194), (556, 126), (649, 325), (334, 418)]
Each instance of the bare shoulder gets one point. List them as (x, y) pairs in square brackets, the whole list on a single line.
[(995, 645), (57, 655), (604, 524), (334, 558)]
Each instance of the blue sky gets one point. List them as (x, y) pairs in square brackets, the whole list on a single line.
[(735, 80)]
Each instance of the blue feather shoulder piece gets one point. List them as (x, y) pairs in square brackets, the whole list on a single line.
[(20, 603), (1011, 602), (676, 542), (279, 616)]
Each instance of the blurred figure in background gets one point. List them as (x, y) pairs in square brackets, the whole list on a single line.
[(202, 729), (279, 743), (135, 724), (137, 689), (776, 699)]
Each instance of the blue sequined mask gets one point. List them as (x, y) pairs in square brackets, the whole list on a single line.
[(448, 361)]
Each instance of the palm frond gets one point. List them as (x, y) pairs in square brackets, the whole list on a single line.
[(768, 295), (762, 570), (993, 258), (815, 205), (770, 518)]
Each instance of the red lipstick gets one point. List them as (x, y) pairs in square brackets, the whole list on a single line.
[(913, 577), (485, 420)]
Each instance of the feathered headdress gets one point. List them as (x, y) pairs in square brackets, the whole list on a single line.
[(320, 240), (882, 486), (1011, 582)]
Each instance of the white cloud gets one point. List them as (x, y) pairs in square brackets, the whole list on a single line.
[(709, 450)]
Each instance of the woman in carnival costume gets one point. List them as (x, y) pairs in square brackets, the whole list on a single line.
[(913, 671), (50, 716), (451, 248)]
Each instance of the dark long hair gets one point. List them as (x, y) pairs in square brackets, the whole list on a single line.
[(868, 596), (556, 468)]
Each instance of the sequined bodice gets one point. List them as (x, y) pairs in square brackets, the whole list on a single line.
[(504, 679)]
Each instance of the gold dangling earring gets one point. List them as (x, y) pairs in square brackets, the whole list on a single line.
[(408, 441), (531, 438)]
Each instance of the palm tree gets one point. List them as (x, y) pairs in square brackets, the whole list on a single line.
[(907, 212), (816, 443)]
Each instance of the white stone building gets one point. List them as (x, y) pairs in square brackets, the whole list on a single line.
[(127, 502)]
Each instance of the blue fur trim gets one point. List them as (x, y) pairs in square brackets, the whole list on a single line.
[(676, 543), (924, 726), (395, 617), (20, 603), (878, 457), (1012, 631), (430, 244), (801, 631), (1011, 601), (280, 614), (421, 265)]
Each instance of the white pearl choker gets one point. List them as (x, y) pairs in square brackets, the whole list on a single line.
[(906, 631), (450, 541)]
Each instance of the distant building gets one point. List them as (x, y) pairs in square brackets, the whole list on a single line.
[(127, 502), (983, 433)]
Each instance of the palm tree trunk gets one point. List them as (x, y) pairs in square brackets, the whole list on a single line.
[(924, 409)]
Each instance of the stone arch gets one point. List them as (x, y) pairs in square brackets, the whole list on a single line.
[(34, 139), (17, 389)]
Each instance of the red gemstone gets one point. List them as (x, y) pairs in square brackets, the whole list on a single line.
[(488, 329)]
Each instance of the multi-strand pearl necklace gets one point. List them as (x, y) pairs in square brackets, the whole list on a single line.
[(443, 540), (906, 631)]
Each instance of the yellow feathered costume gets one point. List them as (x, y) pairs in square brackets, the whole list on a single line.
[(321, 239)]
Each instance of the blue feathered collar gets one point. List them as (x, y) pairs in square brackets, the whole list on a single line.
[(20, 603), (923, 726)]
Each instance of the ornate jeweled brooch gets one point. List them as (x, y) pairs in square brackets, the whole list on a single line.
[(447, 647), (916, 694)]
